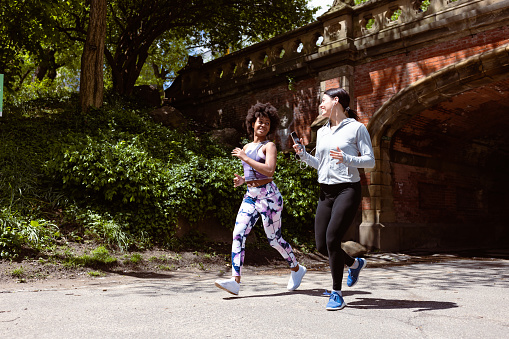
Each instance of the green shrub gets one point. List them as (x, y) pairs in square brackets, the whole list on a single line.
[(10, 241), (299, 187), (98, 257), (18, 231), (39, 234), (116, 176), (135, 259), (143, 174), (105, 228)]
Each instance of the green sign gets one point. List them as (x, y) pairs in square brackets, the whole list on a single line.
[(1, 92)]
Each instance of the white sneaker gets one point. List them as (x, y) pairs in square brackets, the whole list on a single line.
[(296, 278), (229, 285)]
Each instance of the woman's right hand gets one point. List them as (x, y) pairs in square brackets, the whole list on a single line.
[(239, 153), (238, 180), (299, 149)]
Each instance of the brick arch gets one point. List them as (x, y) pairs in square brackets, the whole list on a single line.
[(474, 72)]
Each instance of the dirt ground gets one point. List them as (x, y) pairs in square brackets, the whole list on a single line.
[(60, 267), (57, 265)]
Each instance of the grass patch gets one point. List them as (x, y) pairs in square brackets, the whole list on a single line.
[(166, 267), (136, 258), (98, 257), (18, 272), (96, 274)]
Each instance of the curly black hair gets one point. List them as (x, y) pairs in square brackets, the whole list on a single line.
[(262, 110)]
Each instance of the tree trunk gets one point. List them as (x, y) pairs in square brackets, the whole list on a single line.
[(126, 65), (92, 60), (48, 66)]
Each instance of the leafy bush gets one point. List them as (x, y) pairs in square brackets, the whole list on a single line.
[(116, 176), (105, 228), (10, 241), (299, 188), (142, 173), (24, 144), (18, 231)]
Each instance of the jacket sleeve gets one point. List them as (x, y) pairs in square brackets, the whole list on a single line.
[(366, 158), (309, 159)]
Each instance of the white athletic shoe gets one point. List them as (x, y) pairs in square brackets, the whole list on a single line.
[(229, 285), (296, 278)]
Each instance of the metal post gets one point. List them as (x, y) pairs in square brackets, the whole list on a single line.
[(1, 92)]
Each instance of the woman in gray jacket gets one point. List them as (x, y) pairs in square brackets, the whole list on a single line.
[(343, 145)]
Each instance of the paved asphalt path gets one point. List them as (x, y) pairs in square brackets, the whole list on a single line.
[(452, 299)]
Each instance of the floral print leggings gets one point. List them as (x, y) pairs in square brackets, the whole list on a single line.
[(267, 202)]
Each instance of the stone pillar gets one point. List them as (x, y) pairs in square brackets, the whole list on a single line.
[(378, 212)]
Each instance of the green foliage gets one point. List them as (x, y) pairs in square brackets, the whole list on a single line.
[(114, 176), (138, 177), (104, 227), (37, 91), (167, 56), (100, 256), (39, 234), (24, 147), (10, 241), (96, 274), (97, 258), (425, 5), (31, 39), (135, 259), (18, 231), (299, 188), (18, 272), (44, 39)]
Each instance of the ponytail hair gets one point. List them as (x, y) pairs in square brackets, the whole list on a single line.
[(344, 101)]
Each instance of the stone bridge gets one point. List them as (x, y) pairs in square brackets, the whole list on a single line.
[(431, 82)]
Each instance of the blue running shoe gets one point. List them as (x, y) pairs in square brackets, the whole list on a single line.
[(353, 273), (336, 302)]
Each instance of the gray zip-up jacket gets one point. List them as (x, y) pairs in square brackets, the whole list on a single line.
[(353, 140)]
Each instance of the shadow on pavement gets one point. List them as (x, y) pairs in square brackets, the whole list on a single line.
[(315, 292), (143, 275), (384, 304)]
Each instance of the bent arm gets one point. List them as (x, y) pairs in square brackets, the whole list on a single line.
[(366, 158), (308, 158), (269, 167)]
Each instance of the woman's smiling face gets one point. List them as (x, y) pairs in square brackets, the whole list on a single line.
[(261, 126), (326, 105)]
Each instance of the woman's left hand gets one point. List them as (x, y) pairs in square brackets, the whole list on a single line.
[(338, 155)]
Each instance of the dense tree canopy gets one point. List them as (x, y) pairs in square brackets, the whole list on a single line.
[(135, 25), (30, 41), (52, 32)]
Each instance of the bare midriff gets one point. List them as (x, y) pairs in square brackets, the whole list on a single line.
[(256, 183)]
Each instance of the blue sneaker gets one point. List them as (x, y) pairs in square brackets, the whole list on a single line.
[(336, 302), (353, 273)]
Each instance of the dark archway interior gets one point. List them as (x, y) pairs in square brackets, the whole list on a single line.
[(450, 166)]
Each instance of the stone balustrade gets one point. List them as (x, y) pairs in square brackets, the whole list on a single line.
[(257, 58)]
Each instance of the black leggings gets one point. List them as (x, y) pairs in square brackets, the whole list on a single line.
[(336, 211)]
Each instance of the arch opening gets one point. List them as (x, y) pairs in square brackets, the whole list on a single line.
[(442, 155)]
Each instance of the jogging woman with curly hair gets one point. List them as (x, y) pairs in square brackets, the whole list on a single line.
[(262, 198)]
